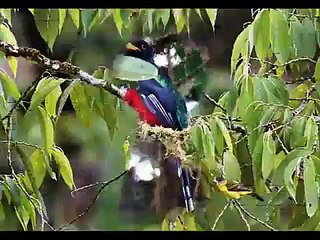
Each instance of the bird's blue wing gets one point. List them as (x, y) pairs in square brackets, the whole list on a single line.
[(155, 106), (168, 103)]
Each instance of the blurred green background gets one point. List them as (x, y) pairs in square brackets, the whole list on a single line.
[(95, 157)]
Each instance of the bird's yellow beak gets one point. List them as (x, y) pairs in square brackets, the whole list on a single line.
[(130, 46)]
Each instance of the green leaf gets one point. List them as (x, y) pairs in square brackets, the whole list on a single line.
[(47, 22), (225, 134), (81, 105), (311, 223), (2, 213), (9, 86), (104, 14), (271, 90), (290, 183), (317, 71), (218, 137), (64, 167), (280, 197), (187, 13), (268, 115), (240, 43), (13, 63), (261, 28), (293, 156), (303, 37), (165, 225), (310, 187), (150, 19), (46, 127), (7, 36), (31, 10), (212, 14), (75, 16), (298, 138), (309, 38), (127, 154), (196, 138), (316, 163), (179, 19), (231, 166), (198, 11), (209, 148), (7, 192), (268, 154), (39, 166), (190, 222), (280, 38), (6, 12), (107, 106), (133, 69), (87, 17), (117, 19), (311, 132), (53, 27), (298, 92), (29, 209), (22, 216), (317, 29), (165, 15), (3, 107), (51, 101), (44, 87), (296, 30), (62, 17)]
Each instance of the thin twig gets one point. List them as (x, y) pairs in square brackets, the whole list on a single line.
[(105, 184), (21, 99), (220, 215), (290, 62), (87, 187), (182, 223), (281, 143), (9, 159), (304, 102), (253, 217), (242, 216), (21, 143), (63, 98), (214, 102)]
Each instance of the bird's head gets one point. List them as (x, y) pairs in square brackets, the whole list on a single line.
[(140, 49)]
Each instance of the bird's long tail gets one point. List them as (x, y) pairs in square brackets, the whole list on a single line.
[(186, 186)]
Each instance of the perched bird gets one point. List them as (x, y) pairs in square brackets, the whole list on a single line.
[(159, 103), (235, 190)]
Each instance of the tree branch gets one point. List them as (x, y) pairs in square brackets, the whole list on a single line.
[(104, 185), (9, 159), (214, 102), (220, 215), (289, 62), (35, 56), (243, 217), (253, 217)]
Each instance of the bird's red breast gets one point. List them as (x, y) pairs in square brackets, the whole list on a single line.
[(133, 99)]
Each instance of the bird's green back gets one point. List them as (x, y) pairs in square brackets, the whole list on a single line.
[(182, 112)]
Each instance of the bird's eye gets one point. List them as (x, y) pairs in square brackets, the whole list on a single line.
[(143, 47)]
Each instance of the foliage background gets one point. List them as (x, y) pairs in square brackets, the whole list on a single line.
[(94, 156)]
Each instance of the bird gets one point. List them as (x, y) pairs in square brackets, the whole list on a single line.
[(234, 190), (158, 103)]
